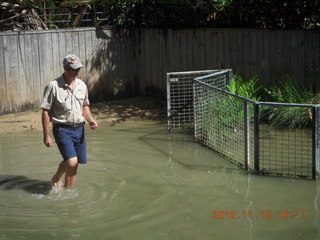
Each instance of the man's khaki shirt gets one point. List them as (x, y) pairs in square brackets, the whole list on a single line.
[(65, 106)]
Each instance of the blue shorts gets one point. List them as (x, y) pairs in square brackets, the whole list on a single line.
[(71, 142)]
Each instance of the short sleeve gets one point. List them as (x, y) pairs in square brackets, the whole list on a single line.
[(86, 98), (48, 97)]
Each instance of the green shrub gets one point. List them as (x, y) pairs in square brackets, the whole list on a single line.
[(229, 109), (288, 91), (247, 89)]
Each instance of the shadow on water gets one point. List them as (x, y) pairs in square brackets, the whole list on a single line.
[(11, 182)]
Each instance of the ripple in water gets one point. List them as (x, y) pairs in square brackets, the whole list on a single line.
[(59, 194)]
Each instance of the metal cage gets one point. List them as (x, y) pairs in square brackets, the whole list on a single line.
[(241, 129)]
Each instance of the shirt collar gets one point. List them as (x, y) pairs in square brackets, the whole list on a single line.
[(64, 84)]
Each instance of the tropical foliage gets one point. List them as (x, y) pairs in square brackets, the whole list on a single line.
[(289, 91), (248, 89), (230, 109)]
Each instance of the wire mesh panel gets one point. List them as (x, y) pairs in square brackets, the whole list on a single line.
[(223, 123), (286, 146), (180, 96)]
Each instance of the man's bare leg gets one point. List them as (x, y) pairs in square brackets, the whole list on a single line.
[(71, 172), (56, 179)]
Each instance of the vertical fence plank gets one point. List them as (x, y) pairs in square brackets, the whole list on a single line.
[(207, 47), (48, 60), (280, 56), (11, 68), (246, 54), (56, 60), (75, 43), (184, 50), (82, 53), (29, 69), (36, 76), (273, 58), (22, 71), (198, 50), (42, 62), (68, 42), (147, 38), (234, 52), (221, 63), (61, 48), (259, 57), (301, 57), (252, 61), (3, 85), (88, 56), (155, 60), (214, 49), (227, 48)]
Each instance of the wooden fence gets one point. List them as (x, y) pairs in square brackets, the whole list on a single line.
[(131, 62)]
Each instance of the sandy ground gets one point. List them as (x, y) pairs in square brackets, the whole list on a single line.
[(116, 111)]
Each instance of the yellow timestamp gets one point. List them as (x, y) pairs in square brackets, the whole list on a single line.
[(262, 214)]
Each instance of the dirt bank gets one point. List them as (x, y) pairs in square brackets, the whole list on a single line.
[(110, 112)]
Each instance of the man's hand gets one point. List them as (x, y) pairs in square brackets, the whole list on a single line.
[(93, 124), (47, 141)]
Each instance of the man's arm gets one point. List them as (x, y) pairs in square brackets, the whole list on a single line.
[(87, 115), (45, 127)]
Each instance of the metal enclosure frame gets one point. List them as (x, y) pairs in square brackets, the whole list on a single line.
[(235, 126)]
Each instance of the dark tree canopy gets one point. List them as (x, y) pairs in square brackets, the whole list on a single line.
[(270, 14)]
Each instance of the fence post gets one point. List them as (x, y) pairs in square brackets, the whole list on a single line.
[(315, 141), (168, 103), (256, 138), (246, 134), (229, 78)]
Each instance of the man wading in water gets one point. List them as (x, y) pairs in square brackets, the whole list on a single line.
[(65, 103)]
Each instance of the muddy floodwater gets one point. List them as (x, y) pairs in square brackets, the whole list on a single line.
[(141, 183)]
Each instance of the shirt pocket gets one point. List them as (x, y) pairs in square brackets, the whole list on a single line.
[(64, 104), (80, 96)]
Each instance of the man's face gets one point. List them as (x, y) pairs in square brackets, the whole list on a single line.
[(73, 73)]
